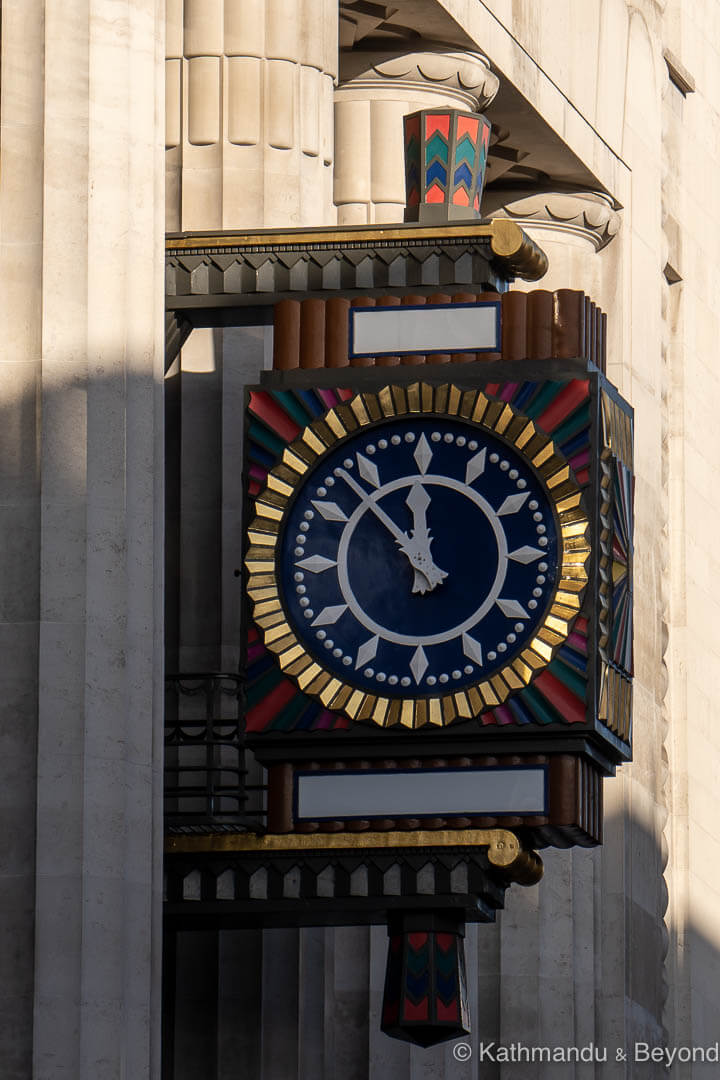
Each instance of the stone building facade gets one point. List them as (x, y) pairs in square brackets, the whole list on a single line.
[(283, 113)]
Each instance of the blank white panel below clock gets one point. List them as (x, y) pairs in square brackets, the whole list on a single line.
[(421, 793), (435, 328)]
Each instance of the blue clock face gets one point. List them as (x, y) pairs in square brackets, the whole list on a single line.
[(418, 556)]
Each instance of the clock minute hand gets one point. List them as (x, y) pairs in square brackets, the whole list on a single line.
[(418, 501), (417, 557)]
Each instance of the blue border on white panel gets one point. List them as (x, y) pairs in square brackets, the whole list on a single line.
[(396, 308), (418, 811)]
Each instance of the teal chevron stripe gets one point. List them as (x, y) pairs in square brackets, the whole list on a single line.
[(543, 399), (263, 686), (266, 438), (538, 707), (286, 719), (465, 151), (568, 677), (436, 147), (292, 406), (417, 962), (577, 420)]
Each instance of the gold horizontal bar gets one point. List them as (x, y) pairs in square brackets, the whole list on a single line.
[(504, 848), (334, 236)]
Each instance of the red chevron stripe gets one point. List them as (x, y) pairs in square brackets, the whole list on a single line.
[(566, 402), (570, 707), (262, 715), (267, 410)]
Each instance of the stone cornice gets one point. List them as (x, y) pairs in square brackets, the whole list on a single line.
[(221, 268)]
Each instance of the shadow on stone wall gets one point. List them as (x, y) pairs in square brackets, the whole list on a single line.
[(577, 961)]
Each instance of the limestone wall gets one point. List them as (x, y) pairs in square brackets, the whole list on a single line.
[(81, 236)]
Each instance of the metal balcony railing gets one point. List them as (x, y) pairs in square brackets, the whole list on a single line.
[(212, 781)]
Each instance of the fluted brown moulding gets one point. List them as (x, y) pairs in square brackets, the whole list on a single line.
[(286, 337), (540, 324), (514, 326), (336, 332), (569, 324), (280, 788), (535, 326), (312, 333)]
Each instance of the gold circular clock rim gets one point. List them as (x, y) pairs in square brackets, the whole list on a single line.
[(367, 408)]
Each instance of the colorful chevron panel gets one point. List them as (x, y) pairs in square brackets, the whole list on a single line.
[(412, 159), (621, 603), (425, 1000), (616, 570), (556, 696), (445, 160)]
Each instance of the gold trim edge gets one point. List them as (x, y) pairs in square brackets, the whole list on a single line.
[(505, 851), (509, 243)]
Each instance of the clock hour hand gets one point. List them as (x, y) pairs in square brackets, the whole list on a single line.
[(416, 554), (427, 574)]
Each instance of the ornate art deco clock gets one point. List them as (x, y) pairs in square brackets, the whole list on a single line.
[(440, 576), (419, 555)]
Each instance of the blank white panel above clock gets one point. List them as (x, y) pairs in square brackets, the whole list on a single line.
[(420, 792), (425, 329)]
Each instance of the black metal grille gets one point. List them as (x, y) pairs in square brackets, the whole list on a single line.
[(212, 782)]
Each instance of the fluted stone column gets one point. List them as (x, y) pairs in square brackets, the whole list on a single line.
[(249, 112), (21, 261), (376, 89), (82, 277)]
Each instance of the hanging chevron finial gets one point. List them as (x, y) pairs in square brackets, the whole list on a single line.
[(445, 160)]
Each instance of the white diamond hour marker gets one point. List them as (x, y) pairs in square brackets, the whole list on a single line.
[(330, 511), (512, 609), (329, 615), (366, 652), (475, 467), (472, 649), (419, 663), (317, 563), (418, 500), (423, 454), (525, 554), (368, 470), (512, 504)]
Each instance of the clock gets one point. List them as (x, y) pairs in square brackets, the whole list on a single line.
[(418, 555)]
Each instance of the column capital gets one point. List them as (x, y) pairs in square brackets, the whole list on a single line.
[(460, 79), (591, 216)]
